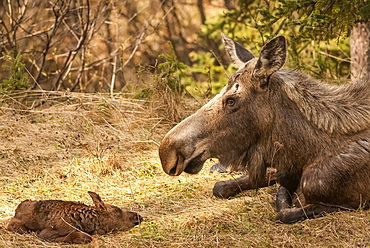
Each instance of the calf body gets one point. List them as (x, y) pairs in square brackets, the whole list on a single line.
[(70, 222), (316, 135)]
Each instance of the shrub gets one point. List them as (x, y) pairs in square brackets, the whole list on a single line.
[(18, 79)]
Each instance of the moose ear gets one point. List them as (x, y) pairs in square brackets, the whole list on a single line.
[(272, 57), (237, 53), (99, 204)]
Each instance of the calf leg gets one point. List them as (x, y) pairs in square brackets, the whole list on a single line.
[(229, 188), (75, 237), (72, 237)]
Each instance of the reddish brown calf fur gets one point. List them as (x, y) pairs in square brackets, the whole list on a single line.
[(69, 221)]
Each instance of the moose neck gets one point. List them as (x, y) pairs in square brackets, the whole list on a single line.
[(334, 109), (314, 119)]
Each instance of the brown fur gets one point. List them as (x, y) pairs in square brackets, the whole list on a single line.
[(229, 188), (316, 135), (70, 222)]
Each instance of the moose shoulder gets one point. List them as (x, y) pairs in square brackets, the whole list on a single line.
[(316, 135)]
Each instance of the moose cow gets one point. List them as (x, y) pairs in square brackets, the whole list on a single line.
[(316, 135), (70, 222)]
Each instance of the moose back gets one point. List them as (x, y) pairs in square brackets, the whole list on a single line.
[(316, 135)]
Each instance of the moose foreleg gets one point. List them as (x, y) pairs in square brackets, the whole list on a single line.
[(229, 188), (292, 215), (289, 214), (283, 199)]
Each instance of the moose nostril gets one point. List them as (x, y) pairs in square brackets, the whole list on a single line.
[(172, 172)]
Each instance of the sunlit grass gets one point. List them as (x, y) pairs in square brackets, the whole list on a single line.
[(110, 150)]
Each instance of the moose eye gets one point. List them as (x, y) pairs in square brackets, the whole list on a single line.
[(230, 102)]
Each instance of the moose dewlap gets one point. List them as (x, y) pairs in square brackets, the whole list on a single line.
[(70, 222), (316, 135)]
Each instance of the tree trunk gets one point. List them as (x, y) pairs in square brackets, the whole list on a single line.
[(230, 4), (360, 50), (201, 12)]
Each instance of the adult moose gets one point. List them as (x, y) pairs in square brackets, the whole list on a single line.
[(316, 135)]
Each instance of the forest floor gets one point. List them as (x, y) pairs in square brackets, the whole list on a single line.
[(84, 142)]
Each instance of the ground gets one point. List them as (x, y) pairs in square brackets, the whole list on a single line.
[(68, 144)]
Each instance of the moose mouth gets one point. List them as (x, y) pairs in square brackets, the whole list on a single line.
[(191, 166)]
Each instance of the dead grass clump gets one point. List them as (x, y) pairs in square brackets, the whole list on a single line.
[(166, 101), (171, 105)]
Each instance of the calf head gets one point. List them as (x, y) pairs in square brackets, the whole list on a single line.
[(112, 217)]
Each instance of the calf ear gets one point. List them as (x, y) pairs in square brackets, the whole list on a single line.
[(99, 204), (237, 53), (272, 57)]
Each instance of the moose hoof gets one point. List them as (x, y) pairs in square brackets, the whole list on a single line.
[(227, 189), (219, 168)]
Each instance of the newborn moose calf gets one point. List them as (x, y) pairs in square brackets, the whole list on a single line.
[(70, 222)]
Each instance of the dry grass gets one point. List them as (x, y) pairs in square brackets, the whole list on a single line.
[(88, 142)]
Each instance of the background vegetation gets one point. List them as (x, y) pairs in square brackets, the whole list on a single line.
[(89, 88), (103, 46)]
